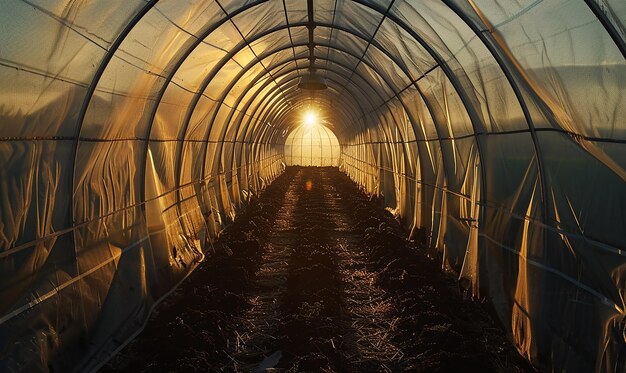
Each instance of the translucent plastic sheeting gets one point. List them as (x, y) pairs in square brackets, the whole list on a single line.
[(312, 145), (132, 133)]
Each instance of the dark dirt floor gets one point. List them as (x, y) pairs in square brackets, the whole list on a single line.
[(314, 276)]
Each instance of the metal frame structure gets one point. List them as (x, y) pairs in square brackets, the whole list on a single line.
[(371, 92)]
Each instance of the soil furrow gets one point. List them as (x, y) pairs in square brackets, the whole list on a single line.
[(315, 276)]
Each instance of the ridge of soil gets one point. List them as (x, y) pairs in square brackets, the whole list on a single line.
[(315, 276)]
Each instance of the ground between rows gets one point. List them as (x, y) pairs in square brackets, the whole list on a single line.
[(316, 276)]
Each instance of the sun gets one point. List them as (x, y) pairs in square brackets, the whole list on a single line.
[(310, 119)]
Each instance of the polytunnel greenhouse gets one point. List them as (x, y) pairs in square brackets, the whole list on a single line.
[(291, 185)]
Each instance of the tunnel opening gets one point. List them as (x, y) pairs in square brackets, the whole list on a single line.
[(135, 133), (312, 144)]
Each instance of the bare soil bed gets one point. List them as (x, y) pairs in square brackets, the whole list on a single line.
[(315, 276)]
